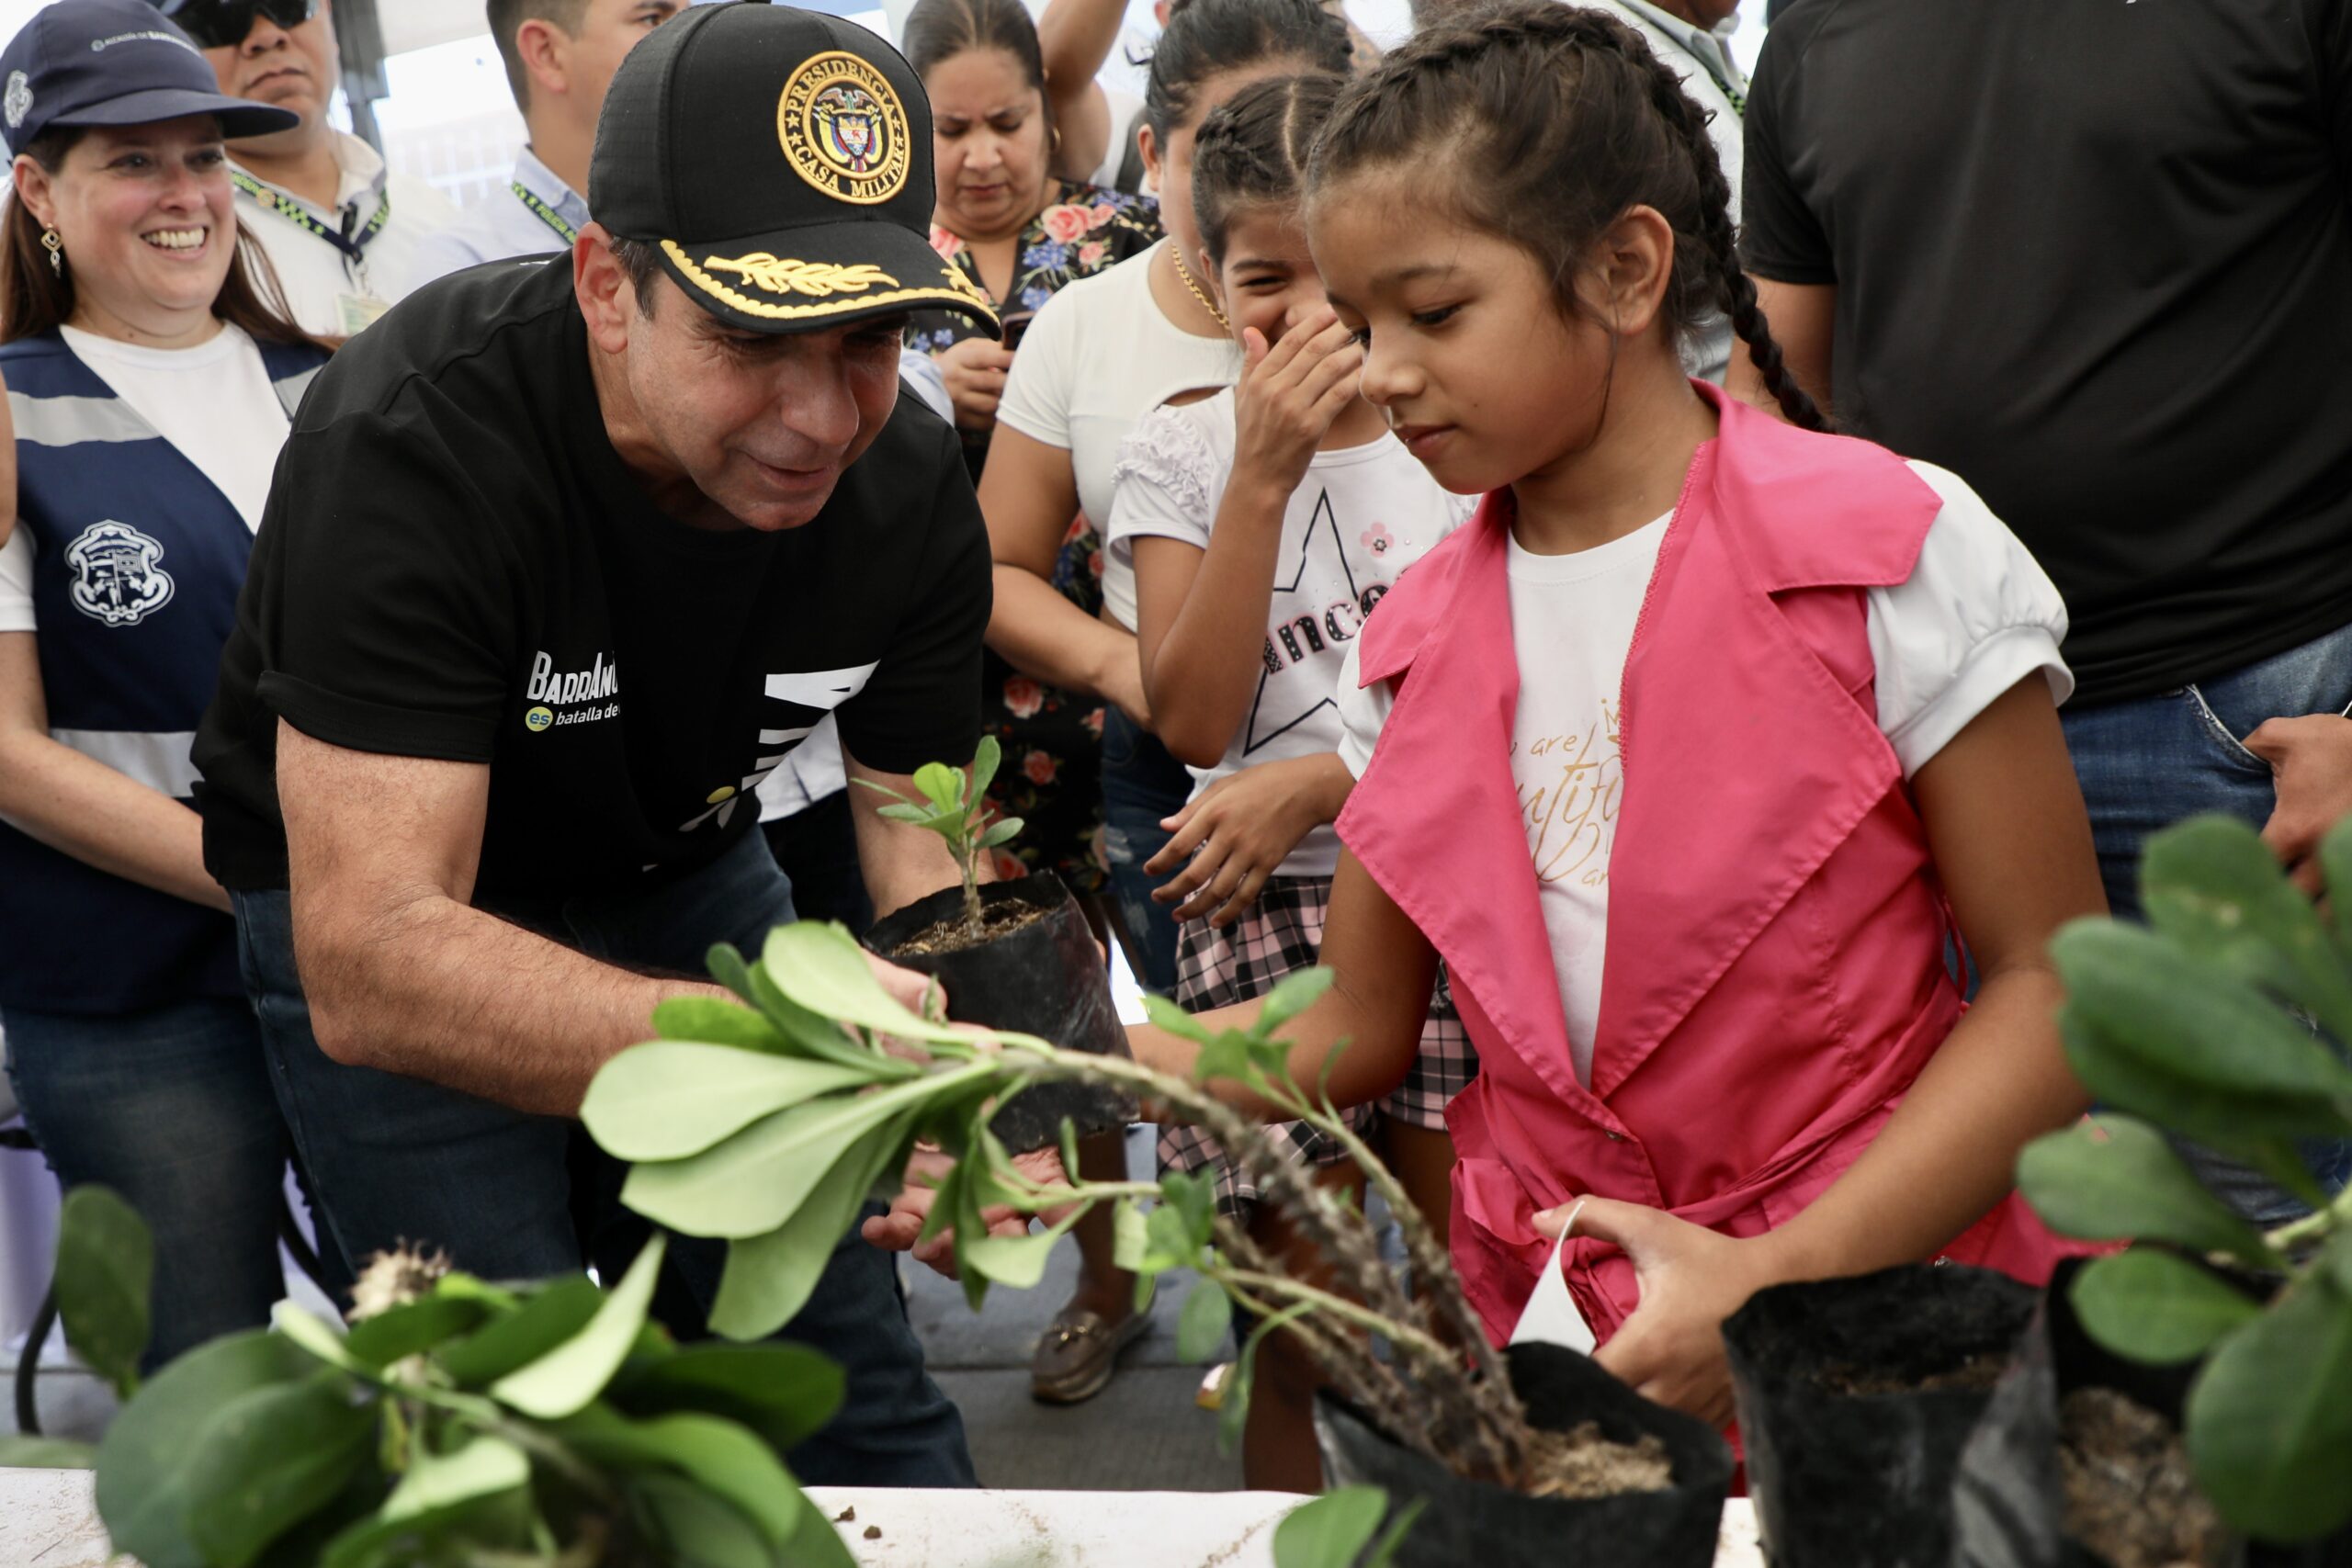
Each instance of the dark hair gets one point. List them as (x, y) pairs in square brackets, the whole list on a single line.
[(1209, 38), (1572, 121), (36, 297), (941, 29), (1252, 150), (638, 259), (506, 19)]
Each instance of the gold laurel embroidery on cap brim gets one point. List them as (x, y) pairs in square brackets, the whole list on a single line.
[(785, 275), (770, 311)]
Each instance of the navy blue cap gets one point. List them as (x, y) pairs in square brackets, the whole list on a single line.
[(83, 62)]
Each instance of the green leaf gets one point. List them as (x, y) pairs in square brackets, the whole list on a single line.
[(1201, 1327), (942, 784), (1004, 832), (1018, 1263), (723, 1457), (710, 1022), (1294, 996), (2114, 1177), (2162, 1035), (271, 1457), (785, 1393), (986, 759), (1331, 1530), (2155, 1306), (416, 1326), (1128, 1232), (568, 1377), (104, 1283), (726, 966), (1227, 1056), (46, 1453), (1170, 1237), (906, 812), (2335, 862), (813, 1035), (1233, 1414), (2270, 1417), (694, 1529), (1166, 1015), (669, 1099), (2213, 887), (1194, 1197), (768, 1278), (817, 1543), (822, 969), (146, 1462), (548, 1318), (756, 1180), (1383, 1551), (2336, 1258), (439, 1492), (307, 1330)]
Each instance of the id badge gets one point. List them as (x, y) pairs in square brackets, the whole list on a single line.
[(355, 312), (1551, 1315)]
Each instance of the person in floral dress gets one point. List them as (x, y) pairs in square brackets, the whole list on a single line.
[(1021, 235)]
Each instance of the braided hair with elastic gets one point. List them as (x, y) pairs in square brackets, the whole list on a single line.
[(1558, 121), (1252, 150), (1209, 38)]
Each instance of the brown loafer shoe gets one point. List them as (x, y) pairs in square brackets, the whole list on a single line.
[(1079, 1353)]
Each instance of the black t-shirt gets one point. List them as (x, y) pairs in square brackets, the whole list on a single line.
[(2095, 258), (455, 564)]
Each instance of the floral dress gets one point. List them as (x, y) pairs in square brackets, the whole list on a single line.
[(1052, 774)]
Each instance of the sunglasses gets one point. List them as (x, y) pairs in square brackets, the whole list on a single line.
[(223, 24)]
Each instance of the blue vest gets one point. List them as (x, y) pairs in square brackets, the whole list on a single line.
[(137, 559)]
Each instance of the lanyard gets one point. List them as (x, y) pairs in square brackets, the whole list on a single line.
[(353, 246), (544, 213)]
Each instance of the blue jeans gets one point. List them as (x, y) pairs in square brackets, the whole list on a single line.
[(171, 1108), (1141, 784), (512, 1195), (2147, 764)]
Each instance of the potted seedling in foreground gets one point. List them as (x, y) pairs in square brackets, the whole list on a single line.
[(458, 1422), (2210, 1341), (1015, 955), (767, 1124)]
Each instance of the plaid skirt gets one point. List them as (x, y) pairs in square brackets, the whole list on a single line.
[(1281, 934)]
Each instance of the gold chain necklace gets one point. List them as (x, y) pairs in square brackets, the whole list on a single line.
[(1184, 276)]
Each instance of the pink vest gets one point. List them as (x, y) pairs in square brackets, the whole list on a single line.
[(1775, 975)]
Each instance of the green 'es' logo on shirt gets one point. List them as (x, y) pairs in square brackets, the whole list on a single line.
[(573, 697)]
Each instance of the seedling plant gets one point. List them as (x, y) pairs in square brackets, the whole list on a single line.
[(954, 804)]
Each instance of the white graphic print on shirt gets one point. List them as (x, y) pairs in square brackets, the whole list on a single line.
[(797, 702)]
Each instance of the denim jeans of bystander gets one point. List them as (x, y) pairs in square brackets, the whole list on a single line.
[(2147, 764)]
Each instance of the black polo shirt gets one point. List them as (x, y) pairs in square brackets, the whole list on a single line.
[(455, 564), (2094, 257)]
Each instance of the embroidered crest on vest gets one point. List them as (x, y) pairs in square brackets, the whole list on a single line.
[(115, 579)]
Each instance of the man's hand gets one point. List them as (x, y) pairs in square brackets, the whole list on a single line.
[(1239, 830), (1672, 1348), (897, 1230), (2311, 763)]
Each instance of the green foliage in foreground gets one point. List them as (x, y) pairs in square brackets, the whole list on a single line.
[(463, 1423), (769, 1123), (2201, 1025)]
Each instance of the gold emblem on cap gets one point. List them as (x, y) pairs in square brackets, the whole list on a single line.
[(783, 274), (843, 129)]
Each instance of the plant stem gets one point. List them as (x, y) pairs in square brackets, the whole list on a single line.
[(2314, 1226)]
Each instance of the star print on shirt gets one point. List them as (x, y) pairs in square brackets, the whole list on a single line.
[(800, 700), (1320, 608)]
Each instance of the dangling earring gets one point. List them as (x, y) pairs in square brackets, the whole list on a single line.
[(56, 249)]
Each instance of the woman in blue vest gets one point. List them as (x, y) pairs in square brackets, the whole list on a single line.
[(152, 373)]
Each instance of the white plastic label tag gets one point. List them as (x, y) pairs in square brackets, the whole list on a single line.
[(1551, 1315)]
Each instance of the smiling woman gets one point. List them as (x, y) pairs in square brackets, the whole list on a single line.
[(150, 370)]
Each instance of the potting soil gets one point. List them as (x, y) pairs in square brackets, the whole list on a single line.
[(1582, 1462), (960, 935), (2129, 1496)]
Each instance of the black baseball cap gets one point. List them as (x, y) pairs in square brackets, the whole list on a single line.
[(88, 63), (780, 162)]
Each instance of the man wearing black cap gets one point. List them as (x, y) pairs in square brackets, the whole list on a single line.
[(559, 562)]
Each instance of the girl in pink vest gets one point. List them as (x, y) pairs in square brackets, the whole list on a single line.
[(1690, 755)]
